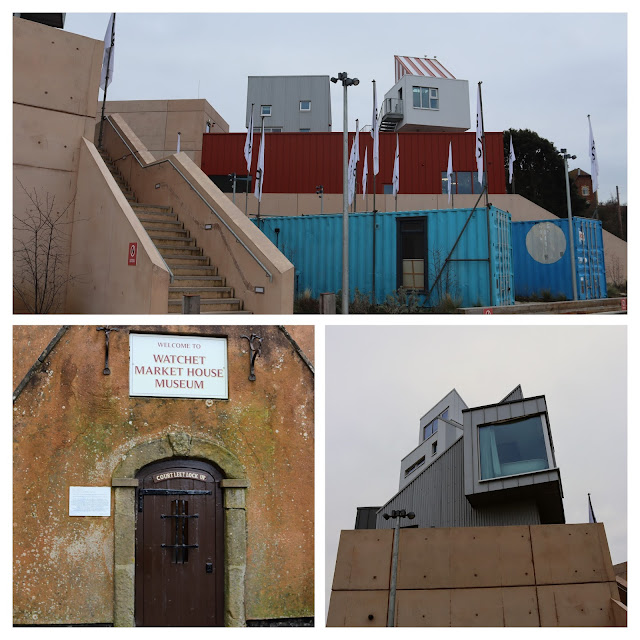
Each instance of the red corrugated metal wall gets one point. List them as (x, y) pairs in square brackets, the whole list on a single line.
[(297, 162)]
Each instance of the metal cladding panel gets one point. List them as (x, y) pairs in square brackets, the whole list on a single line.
[(314, 245), (542, 258), (437, 498), (298, 162)]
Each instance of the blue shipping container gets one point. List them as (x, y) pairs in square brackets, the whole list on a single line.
[(434, 253), (542, 259)]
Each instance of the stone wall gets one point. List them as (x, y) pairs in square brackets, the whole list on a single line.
[(75, 426)]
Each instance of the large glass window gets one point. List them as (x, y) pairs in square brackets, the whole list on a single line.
[(462, 182), (425, 98), (511, 448)]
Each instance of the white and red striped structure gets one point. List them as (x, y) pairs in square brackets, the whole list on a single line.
[(429, 67)]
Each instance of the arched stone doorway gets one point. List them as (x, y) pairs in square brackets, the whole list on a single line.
[(234, 485)]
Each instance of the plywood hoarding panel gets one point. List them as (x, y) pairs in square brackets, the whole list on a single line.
[(364, 560), (573, 553), (577, 605), (465, 558), (358, 609)]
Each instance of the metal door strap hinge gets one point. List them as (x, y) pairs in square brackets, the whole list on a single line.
[(169, 492)]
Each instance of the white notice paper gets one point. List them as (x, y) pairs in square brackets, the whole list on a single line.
[(89, 501)]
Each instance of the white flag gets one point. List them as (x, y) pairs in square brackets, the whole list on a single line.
[(479, 134), (108, 56), (353, 163), (396, 168), (594, 160), (375, 133), (178, 148), (449, 173), (512, 159), (365, 170), (248, 145), (260, 169)]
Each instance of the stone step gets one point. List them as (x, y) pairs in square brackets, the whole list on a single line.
[(193, 270), (153, 208), (205, 293), (161, 225), (186, 261), (221, 311), (167, 234), (198, 281), (176, 251), (171, 239), (210, 305)]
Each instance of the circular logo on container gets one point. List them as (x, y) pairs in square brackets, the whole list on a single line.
[(546, 242)]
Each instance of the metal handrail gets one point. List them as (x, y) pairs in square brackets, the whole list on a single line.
[(157, 162)]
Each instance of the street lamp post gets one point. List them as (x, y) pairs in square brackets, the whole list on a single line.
[(565, 157), (346, 82), (397, 514)]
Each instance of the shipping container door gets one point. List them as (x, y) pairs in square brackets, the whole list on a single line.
[(412, 245)]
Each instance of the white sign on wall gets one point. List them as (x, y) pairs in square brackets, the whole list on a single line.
[(178, 366), (89, 501)]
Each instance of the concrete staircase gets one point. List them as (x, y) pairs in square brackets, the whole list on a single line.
[(192, 270)]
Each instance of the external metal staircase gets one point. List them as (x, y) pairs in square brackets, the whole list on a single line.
[(193, 273)]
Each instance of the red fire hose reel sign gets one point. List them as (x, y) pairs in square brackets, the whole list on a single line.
[(133, 254)]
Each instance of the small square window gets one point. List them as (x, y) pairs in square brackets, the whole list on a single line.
[(585, 190), (265, 110), (305, 105)]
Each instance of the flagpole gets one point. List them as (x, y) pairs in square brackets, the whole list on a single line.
[(106, 81), (246, 182), (260, 170), (373, 158), (355, 188), (486, 195)]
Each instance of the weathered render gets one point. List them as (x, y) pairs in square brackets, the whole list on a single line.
[(75, 426)]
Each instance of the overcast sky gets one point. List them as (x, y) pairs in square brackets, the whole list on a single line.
[(543, 71), (381, 380)]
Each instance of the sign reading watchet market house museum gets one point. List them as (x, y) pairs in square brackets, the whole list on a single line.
[(178, 366)]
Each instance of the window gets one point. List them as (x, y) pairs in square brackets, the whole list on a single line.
[(425, 98), (267, 130), (388, 189), (265, 110), (414, 466), (305, 130), (225, 183), (305, 105), (463, 182), (412, 253), (430, 429), (511, 448), (434, 448), (585, 190)]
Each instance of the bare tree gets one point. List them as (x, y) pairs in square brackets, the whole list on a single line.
[(40, 260)]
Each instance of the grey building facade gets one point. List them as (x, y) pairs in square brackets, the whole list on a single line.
[(483, 466), (425, 97), (289, 103)]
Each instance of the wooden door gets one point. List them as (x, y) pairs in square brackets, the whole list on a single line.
[(179, 545)]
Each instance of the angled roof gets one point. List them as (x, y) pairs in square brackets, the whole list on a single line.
[(429, 67)]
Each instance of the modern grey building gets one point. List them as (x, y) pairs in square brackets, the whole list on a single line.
[(425, 97), (289, 103), (481, 466)]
